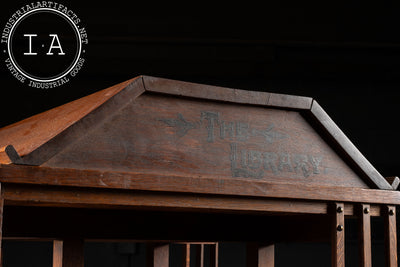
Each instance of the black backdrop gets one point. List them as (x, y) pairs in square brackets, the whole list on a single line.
[(344, 54)]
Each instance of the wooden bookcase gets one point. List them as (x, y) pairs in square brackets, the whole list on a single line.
[(163, 161)]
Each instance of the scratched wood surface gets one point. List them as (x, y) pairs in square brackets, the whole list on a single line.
[(177, 136), (29, 134)]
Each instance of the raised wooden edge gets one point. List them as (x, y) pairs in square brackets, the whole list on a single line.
[(50, 148), (31, 133), (216, 93), (348, 148), (45, 196), (141, 84), (56, 196), (204, 185), (394, 181)]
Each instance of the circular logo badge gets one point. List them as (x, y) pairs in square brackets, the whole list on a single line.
[(44, 43)]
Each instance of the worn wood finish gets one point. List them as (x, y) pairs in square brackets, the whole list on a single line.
[(31, 133), (57, 253), (390, 236), (348, 148), (99, 112), (173, 136), (99, 198), (187, 89), (338, 240), (174, 116), (73, 252), (364, 218), (240, 187), (194, 154)]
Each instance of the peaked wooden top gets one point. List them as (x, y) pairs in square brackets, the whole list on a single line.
[(153, 125)]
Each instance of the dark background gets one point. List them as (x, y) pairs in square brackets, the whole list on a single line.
[(346, 55)]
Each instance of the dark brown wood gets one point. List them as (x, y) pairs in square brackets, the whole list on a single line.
[(179, 88), (31, 133), (161, 255), (68, 128), (348, 147), (81, 197), (390, 236), (187, 137), (57, 253), (198, 155), (73, 252), (241, 187), (365, 235), (338, 240), (260, 255), (162, 132)]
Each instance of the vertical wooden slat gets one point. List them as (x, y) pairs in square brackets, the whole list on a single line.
[(260, 255), (338, 240), (57, 253), (161, 256), (266, 256), (186, 256), (214, 255), (201, 255), (73, 252), (390, 236), (365, 235)]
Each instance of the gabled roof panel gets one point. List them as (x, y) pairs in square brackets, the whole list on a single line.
[(153, 125), (29, 134)]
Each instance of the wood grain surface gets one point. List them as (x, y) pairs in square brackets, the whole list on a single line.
[(147, 182), (338, 235), (174, 136)]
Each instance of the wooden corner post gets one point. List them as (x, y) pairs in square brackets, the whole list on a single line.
[(390, 236), (260, 255), (365, 235), (338, 240), (68, 252), (157, 255)]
